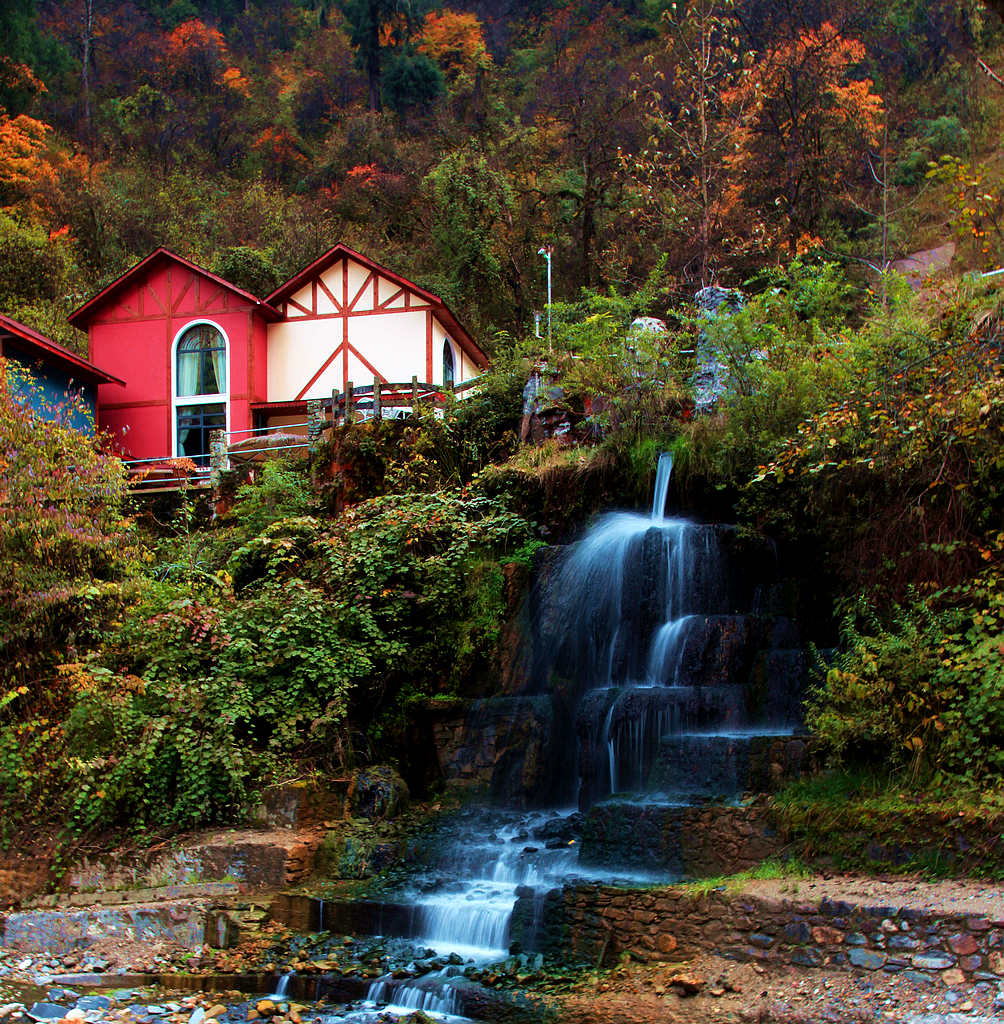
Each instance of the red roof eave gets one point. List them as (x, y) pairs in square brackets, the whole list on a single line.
[(53, 348), (81, 317)]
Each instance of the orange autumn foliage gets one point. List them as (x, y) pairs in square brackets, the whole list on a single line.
[(455, 41), (15, 75), (234, 79), (281, 150), (807, 122), (23, 142), (195, 54)]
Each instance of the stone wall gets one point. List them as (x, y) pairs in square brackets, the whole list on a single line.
[(249, 860), (59, 931), (688, 841), (303, 803), (500, 745), (594, 922)]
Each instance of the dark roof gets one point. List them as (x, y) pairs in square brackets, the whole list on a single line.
[(456, 330), (28, 337), (82, 316)]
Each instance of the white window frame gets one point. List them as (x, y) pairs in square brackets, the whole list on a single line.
[(216, 399)]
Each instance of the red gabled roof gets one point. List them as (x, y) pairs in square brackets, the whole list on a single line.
[(456, 330), (82, 316), (34, 340)]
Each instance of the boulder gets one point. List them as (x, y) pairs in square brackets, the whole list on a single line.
[(377, 793)]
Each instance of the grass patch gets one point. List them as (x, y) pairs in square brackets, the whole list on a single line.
[(551, 455), (869, 822), (772, 868)]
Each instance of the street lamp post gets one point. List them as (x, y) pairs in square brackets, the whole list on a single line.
[(545, 251)]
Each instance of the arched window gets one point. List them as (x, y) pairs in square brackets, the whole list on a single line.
[(449, 370), (200, 389)]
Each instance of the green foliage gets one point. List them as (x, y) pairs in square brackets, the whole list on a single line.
[(486, 426), (61, 524), (921, 686), (976, 206), (412, 82), (197, 694), (946, 135), (426, 452), (785, 355), (864, 820), (252, 269), (280, 492), (374, 23), (470, 202), (905, 460), (28, 264)]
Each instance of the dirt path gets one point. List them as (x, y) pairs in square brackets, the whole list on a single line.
[(949, 896), (731, 992)]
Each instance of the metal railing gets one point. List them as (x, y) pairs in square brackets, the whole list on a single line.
[(352, 405), (373, 401), (165, 473)]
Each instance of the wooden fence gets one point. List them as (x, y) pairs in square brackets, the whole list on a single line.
[(374, 401)]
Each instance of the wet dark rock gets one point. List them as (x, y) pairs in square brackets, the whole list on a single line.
[(377, 792)]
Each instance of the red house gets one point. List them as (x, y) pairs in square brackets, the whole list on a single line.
[(190, 347), (199, 354)]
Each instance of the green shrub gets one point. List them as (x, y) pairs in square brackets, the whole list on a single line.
[(61, 521), (921, 686), (198, 696), (280, 492)]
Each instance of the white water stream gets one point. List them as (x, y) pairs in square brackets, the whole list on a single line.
[(638, 602)]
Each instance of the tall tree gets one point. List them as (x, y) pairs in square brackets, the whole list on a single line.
[(804, 136), (376, 24), (681, 173), (583, 100)]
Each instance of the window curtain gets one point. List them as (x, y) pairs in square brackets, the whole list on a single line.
[(188, 371), (219, 358), (448, 366), (184, 436)]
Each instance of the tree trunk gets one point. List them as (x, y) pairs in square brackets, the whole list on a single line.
[(373, 60), (85, 68)]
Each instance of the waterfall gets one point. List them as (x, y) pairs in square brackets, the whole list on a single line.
[(662, 474), (431, 993), (660, 679), (650, 620)]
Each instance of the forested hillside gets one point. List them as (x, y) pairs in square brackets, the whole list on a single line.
[(452, 143), (794, 150)]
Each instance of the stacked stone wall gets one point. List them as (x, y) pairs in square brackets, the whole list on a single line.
[(590, 922)]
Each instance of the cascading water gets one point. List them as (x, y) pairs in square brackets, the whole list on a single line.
[(282, 986), (648, 621), (462, 906), (659, 676), (663, 472)]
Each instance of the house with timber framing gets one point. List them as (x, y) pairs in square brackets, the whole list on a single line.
[(197, 354)]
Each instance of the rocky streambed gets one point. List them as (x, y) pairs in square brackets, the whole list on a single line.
[(855, 970)]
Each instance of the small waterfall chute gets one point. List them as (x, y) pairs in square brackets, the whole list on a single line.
[(282, 985), (663, 472)]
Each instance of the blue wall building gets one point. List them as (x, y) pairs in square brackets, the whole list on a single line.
[(53, 374)]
